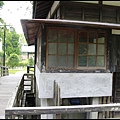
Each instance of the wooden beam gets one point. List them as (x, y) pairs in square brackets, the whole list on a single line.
[(61, 109)]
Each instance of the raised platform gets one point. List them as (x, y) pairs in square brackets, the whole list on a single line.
[(8, 85)]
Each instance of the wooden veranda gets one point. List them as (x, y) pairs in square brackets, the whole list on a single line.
[(16, 92), (8, 84)]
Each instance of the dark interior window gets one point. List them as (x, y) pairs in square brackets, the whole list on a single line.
[(91, 49)]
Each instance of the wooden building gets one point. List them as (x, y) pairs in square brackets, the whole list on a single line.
[(77, 44)]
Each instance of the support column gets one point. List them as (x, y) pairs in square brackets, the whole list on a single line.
[(43, 103), (94, 115)]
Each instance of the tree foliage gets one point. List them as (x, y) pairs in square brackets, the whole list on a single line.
[(1, 4), (31, 61), (9, 48), (22, 40), (13, 41), (13, 60), (1, 58)]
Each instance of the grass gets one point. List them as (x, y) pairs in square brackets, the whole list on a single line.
[(13, 71)]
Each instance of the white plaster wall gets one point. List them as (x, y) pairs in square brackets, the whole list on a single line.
[(37, 77), (75, 84)]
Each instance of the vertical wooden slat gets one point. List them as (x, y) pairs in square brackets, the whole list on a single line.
[(55, 96), (111, 101), (8, 116), (100, 9), (108, 112), (104, 112), (100, 113), (57, 100), (117, 17), (83, 14), (58, 116)]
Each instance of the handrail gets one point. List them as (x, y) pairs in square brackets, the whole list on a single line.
[(60, 109)]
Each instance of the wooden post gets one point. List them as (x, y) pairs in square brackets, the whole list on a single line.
[(57, 100), (94, 115)]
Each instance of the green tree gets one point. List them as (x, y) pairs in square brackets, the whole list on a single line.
[(13, 60), (1, 58), (1, 6), (9, 48), (12, 43), (15, 43), (22, 39), (31, 61)]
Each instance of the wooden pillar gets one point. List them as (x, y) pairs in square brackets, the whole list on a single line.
[(94, 115), (43, 103)]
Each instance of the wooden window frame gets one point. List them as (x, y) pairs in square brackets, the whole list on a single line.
[(76, 38), (58, 28), (105, 48)]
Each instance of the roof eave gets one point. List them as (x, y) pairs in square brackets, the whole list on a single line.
[(31, 26)]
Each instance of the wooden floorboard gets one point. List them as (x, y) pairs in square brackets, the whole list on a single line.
[(8, 85)]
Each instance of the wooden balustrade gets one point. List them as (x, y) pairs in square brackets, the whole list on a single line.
[(30, 69), (18, 98), (4, 71), (22, 112)]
